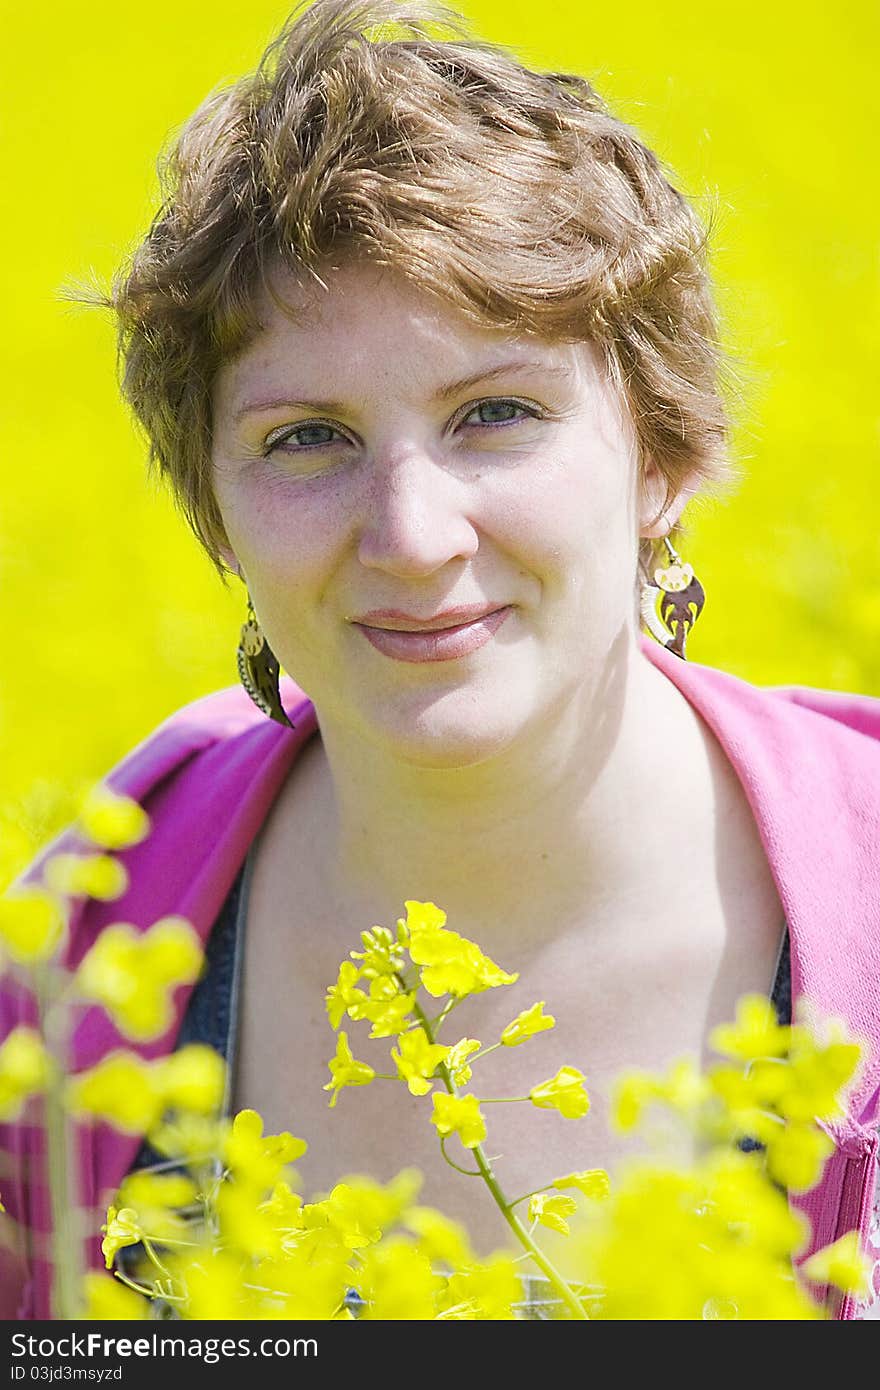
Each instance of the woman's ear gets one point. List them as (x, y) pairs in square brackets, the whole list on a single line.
[(656, 516), (229, 559)]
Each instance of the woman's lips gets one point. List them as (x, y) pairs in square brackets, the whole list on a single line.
[(440, 644)]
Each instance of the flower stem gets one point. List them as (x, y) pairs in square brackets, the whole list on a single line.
[(562, 1287), (151, 1251), (62, 1164)]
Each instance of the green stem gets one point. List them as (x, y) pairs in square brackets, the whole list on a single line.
[(151, 1251), (62, 1162), (132, 1284), (501, 1100), (169, 1240), (431, 1025), (526, 1195), (467, 1172), (560, 1284)]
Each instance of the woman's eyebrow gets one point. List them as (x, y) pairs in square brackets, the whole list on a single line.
[(454, 388), (451, 388)]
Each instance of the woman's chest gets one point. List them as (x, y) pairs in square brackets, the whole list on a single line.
[(639, 996)]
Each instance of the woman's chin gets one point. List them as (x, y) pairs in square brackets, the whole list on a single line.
[(441, 737)]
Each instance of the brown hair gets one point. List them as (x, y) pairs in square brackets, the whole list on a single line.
[(382, 129)]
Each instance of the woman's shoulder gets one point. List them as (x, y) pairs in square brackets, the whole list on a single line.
[(225, 718), (859, 712), (206, 777), (756, 710)]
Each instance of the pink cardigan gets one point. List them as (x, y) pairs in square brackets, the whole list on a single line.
[(809, 761)]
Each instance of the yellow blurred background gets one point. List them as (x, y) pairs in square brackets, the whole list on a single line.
[(112, 618)]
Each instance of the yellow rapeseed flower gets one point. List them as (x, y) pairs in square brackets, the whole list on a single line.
[(144, 1188), (122, 1089), (112, 820), (32, 924), (389, 1010), (342, 998), (257, 1158), (593, 1182), (450, 963), (420, 917), (551, 1211), (526, 1025), (351, 1221), (284, 1208), (741, 1094), (355, 1215), (193, 1139), (157, 1198), (382, 955), (444, 1241), (457, 1060), (744, 1202), (218, 1284), (193, 1079), (397, 1282), (417, 1060), (815, 1077), (245, 1226), (631, 1091), (86, 876), (108, 1300), (796, 1154), (26, 1068), (684, 1087), (345, 1071), (131, 974), (756, 1032), (172, 950), (123, 1228), (459, 1115), (307, 1283), (564, 1092), (843, 1264), (486, 1290), (683, 1242), (379, 1205)]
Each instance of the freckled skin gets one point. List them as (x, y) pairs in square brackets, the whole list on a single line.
[(408, 506)]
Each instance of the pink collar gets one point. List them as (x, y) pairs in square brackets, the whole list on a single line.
[(809, 763)]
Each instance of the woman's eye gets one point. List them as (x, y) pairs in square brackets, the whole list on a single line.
[(302, 436), (315, 434), (498, 412)]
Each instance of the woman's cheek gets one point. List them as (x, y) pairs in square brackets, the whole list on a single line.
[(278, 528)]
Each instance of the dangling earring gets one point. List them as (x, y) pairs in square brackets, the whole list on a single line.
[(259, 670), (681, 598)]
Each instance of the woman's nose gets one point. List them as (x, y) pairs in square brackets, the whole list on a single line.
[(415, 517)]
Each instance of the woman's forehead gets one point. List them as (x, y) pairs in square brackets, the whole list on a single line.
[(359, 310)]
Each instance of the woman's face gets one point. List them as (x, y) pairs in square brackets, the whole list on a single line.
[(380, 462)]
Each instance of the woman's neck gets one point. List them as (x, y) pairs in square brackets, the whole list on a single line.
[(576, 815)]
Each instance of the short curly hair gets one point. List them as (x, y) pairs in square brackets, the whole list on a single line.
[(382, 129)]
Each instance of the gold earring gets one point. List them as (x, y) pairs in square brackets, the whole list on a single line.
[(259, 670), (671, 601)]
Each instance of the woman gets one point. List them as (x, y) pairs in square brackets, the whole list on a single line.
[(424, 342)]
